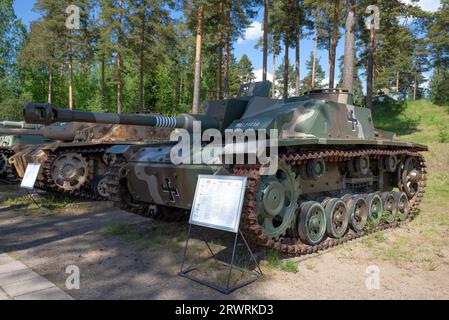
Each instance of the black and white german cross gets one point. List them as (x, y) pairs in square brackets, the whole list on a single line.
[(353, 121), (168, 188)]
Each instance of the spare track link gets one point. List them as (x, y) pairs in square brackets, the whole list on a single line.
[(287, 245), (48, 183)]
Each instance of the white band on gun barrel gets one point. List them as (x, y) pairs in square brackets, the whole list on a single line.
[(165, 122)]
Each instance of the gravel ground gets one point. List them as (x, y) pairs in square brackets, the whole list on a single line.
[(116, 267)]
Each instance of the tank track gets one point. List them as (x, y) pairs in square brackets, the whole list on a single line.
[(49, 185), (9, 175), (142, 209), (292, 246), (252, 230)]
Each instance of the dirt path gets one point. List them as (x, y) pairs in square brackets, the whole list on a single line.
[(118, 262)]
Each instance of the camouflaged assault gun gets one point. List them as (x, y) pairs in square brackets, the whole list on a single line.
[(74, 161), (15, 136), (337, 176)]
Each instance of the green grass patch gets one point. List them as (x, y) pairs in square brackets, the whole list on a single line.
[(48, 202), (289, 266), (145, 239)]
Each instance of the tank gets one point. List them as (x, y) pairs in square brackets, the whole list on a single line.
[(332, 176), (74, 161), (14, 136)]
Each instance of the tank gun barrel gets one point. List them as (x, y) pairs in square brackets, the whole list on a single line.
[(19, 132), (46, 114), (19, 125)]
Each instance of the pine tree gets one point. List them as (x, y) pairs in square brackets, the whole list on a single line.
[(319, 75), (245, 70)]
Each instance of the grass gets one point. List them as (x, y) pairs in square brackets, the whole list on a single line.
[(422, 243), (146, 239), (273, 261), (47, 202)]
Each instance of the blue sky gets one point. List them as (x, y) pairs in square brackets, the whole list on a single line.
[(23, 9)]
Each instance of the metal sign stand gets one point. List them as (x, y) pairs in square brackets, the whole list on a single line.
[(185, 272), (218, 205), (29, 180)]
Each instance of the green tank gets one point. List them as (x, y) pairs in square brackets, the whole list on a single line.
[(13, 137), (332, 176)]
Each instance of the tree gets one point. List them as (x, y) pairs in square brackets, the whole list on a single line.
[(319, 75), (349, 55), (12, 36), (199, 42), (70, 42), (245, 70), (357, 87), (280, 86)]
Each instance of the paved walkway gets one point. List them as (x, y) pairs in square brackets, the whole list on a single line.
[(18, 282)]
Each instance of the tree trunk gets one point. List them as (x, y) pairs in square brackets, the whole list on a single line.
[(297, 53), (370, 69), (274, 76), (227, 49), (265, 39), (50, 82), (315, 48), (102, 79), (334, 44), (286, 65), (119, 61), (220, 69), (415, 86), (70, 76), (397, 82), (349, 56), (141, 66), (199, 42)]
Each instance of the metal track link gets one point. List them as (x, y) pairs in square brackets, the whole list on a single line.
[(289, 245), (48, 183)]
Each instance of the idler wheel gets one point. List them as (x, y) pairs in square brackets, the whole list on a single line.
[(402, 204), (312, 223), (337, 218), (390, 206), (358, 212), (375, 208), (69, 171)]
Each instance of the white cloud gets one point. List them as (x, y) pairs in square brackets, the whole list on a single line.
[(254, 32), (325, 82), (427, 5), (259, 75)]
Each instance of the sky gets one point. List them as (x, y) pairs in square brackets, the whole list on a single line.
[(245, 45)]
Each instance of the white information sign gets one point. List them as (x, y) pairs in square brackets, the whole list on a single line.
[(218, 202), (30, 177)]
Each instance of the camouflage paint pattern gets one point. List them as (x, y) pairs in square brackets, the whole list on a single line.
[(321, 117)]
